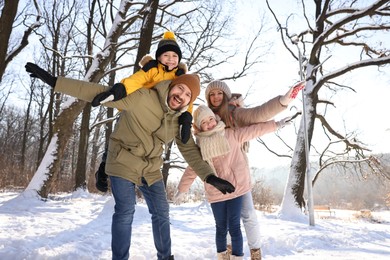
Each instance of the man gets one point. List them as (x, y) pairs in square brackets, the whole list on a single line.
[(148, 121)]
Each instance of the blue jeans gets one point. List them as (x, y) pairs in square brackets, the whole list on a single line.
[(227, 218), (249, 219), (250, 222), (125, 199)]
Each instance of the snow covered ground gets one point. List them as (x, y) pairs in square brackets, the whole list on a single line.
[(77, 226)]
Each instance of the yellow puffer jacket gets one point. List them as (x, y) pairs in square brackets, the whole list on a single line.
[(151, 73)]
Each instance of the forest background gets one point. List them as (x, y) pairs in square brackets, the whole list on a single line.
[(236, 41)]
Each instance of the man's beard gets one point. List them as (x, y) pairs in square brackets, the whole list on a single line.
[(177, 101)]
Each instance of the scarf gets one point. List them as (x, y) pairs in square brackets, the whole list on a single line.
[(213, 143)]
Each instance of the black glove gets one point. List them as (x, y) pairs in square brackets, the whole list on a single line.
[(180, 71), (185, 121), (221, 184), (117, 92), (37, 72)]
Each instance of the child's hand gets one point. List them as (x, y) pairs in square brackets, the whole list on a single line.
[(185, 122), (285, 121), (117, 92)]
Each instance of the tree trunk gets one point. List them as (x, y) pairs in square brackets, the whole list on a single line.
[(6, 22), (293, 199), (81, 168), (62, 129), (63, 132), (94, 152), (146, 35), (42, 135), (25, 134), (167, 164)]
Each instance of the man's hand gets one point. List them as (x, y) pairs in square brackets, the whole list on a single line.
[(221, 184), (292, 93), (185, 122), (37, 72), (117, 92)]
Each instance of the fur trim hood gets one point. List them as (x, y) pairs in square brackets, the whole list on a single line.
[(237, 100)]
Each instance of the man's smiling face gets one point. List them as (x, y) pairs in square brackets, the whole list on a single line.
[(179, 96)]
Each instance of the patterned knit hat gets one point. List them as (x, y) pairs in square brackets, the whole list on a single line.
[(202, 112), (192, 81), (220, 85), (168, 43)]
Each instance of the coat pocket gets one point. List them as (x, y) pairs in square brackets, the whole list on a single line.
[(132, 162)]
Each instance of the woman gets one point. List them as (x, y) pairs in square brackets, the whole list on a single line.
[(222, 149), (229, 107)]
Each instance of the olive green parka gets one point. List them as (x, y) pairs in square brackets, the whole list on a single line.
[(145, 126)]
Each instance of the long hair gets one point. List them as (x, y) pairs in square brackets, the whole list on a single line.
[(222, 111)]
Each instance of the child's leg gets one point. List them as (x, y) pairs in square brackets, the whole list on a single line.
[(234, 214), (219, 212)]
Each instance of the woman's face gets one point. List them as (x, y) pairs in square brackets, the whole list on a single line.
[(208, 124), (216, 97)]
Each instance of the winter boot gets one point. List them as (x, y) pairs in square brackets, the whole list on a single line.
[(223, 256), (229, 249), (256, 254), (101, 178), (234, 257)]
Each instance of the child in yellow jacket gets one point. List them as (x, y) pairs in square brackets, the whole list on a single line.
[(166, 66)]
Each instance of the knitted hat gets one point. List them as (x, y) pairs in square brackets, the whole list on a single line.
[(220, 85), (168, 43), (202, 112), (192, 81)]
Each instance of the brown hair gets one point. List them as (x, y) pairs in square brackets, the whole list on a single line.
[(223, 110)]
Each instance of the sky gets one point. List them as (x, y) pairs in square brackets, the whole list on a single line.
[(77, 226), (363, 112)]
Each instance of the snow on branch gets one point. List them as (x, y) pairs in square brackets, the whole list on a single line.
[(353, 17), (349, 67), (24, 41), (102, 58)]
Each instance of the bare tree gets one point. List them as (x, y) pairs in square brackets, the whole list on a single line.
[(119, 43), (344, 25), (11, 21), (81, 166), (62, 128), (40, 95), (203, 32), (146, 34), (9, 50)]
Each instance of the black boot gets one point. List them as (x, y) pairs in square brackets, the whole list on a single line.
[(101, 178)]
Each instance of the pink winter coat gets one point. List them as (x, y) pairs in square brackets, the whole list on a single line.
[(233, 166)]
